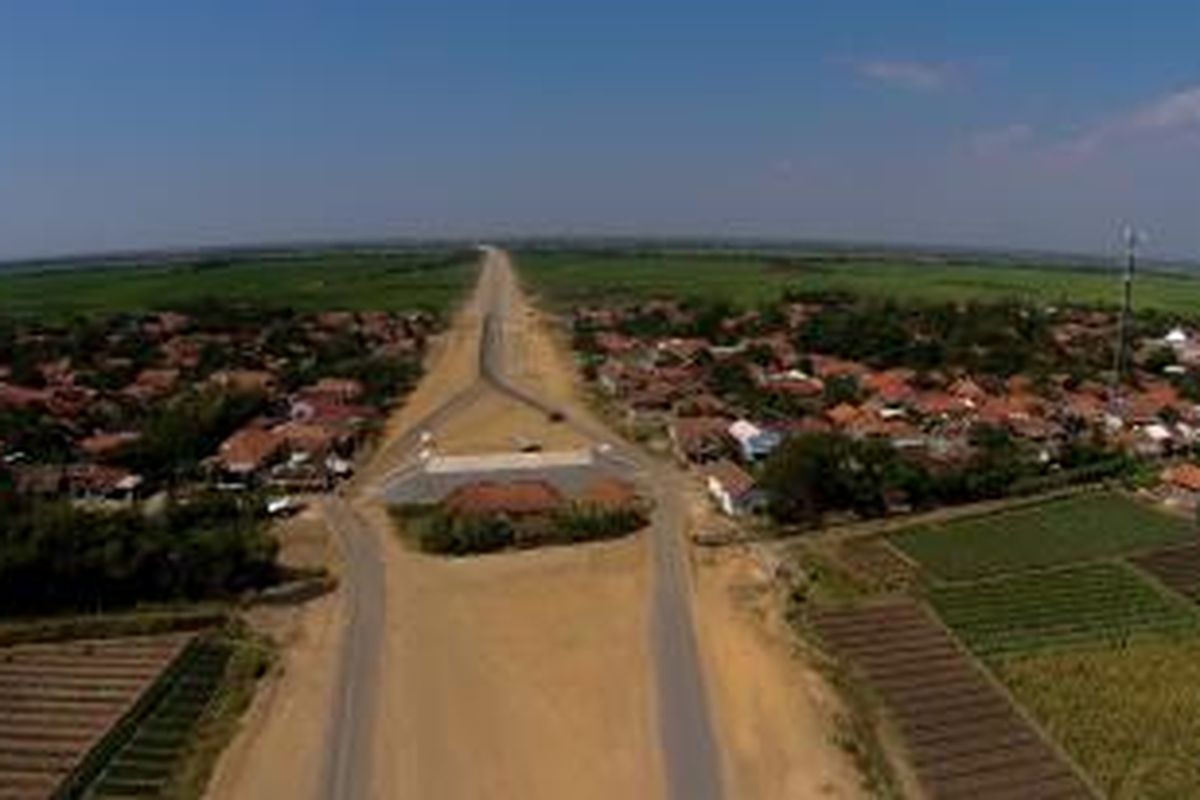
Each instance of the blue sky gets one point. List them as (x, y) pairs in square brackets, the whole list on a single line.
[(1031, 124)]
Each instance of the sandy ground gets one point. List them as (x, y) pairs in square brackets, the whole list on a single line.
[(496, 423), (278, 751), (518, 676), (776, 715)]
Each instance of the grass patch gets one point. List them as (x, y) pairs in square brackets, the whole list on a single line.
[(351, 281), (1130, 716), (1057, 532), (747, 279), (249, 659), (1103, 602)]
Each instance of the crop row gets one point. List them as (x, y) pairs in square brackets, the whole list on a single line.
[(1102, 602), (1175, 567), (142, 766), (1047, 534), (57, 700), (964, 737)]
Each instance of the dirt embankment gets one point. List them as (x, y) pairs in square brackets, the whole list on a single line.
[(776, 715)]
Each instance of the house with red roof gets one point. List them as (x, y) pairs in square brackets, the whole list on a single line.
[(700, 439), (514, 499), (732, 488), (1181, 484)]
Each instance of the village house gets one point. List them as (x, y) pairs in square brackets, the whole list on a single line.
[(1181, 485), (516, 499), (152, 384), (699, 439), (248, 381), (754, 443), (732, 488), (23, 397), (342, 390), (101, 483), (245, 456), (609, 494), (101, 446)]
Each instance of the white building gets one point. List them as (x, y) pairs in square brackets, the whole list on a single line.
[(754, 442)]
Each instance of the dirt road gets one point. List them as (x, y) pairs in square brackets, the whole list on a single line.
[(522, 675), (560, 673)]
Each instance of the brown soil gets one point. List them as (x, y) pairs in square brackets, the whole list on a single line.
[(777, 717), (518, 676)]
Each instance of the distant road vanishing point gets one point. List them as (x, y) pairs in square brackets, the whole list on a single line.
[(689, 752)]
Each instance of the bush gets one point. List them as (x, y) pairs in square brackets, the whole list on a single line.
[(583, 523), (446, 534), (54, 557)]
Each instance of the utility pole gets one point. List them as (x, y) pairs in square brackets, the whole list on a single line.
[(1120, 359)]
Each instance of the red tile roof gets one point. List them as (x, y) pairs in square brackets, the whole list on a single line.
[(22, 396), (609, 493), (249, 450), (346, 389), (101, 445), (732, 478), (843, 414), (518, 497), (1185, 476)]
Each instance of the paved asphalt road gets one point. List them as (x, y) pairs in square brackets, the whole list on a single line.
[(689, 751)]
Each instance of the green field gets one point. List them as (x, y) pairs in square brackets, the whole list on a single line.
[(1103, 602), (1056, 532), (1130, 716), (355, 281), (568, 278)]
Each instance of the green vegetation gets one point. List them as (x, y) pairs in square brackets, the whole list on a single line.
[(167, 744), (434, 530), (351, 281), (749, 279), (1057, 532), (814, 474), (1129, 716), (1103, 602), (59, 558)]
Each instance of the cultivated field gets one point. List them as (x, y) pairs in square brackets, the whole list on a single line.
[(747, 278), (1101, 602), (963, 737), (58, 700), (141, 761), (1177, 568), (1130, 716), (1057, 532), (383, 281)]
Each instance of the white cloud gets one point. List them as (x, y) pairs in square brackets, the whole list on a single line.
[(1177, 112), (913, 76), (998, 141)]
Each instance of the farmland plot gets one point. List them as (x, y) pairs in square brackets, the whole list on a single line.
[(964, 737), (1178, 568), (1129, 716), (1057, 532), (1102, 602), (57, 701), (142, 763)]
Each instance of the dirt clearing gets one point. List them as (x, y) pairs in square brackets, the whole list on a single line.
[(519, 676)]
